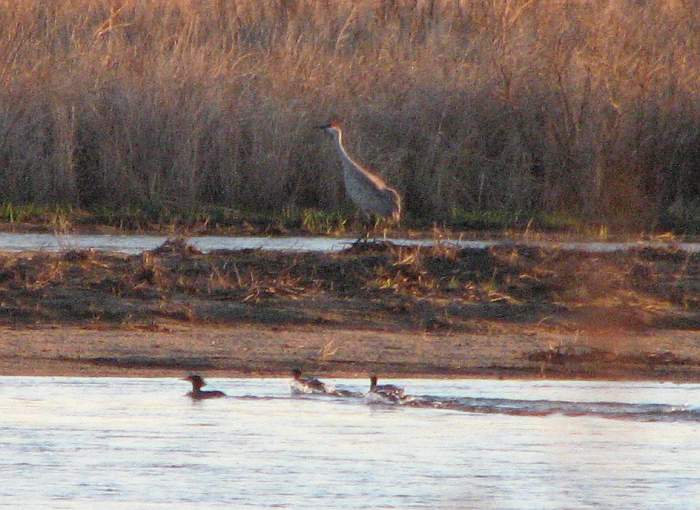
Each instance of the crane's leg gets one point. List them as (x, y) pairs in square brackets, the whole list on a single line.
[(372, 225), (376, 225), (379, 222), (364, 234)]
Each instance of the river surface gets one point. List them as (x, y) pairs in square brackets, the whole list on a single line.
[(138, 243), (113, 443)]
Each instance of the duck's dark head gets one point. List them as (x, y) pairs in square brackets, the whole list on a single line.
[(373, 381), (296, 373), (196, 380)]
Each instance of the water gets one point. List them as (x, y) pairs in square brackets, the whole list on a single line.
[(139, 444), (138, 243)]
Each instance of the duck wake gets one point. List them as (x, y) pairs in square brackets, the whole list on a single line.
[(615, 410)]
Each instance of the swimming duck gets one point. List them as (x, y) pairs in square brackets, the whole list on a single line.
[(197, 393), (385, 391), (301, 384)]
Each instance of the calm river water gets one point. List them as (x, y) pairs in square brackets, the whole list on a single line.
[(113, 443), (139, 243)]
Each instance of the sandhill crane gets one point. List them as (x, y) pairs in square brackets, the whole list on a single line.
[(367, 190)]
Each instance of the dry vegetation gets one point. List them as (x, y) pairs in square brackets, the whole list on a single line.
[(526, 106), (438, 310), (374, 286)]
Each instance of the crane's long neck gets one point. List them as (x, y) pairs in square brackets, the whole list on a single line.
[(339, 145), (348, 163)]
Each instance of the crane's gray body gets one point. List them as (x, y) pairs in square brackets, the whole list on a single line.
[(367, 190)]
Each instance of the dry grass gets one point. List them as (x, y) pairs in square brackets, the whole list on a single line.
[(372, 286), (589, 106)]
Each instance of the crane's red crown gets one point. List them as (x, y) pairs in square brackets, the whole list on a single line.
[(332, 124)]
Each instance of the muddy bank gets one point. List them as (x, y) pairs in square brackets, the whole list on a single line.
[(506, 311), (255, 350)]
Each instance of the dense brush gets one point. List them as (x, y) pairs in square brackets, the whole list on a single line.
[(521, 106)]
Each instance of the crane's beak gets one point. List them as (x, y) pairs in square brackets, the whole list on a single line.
[(325, 126)]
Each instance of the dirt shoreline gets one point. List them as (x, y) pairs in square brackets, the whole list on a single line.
[(510, 312), (255, 351)]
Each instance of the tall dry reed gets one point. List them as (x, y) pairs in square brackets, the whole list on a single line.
[(588, 106)]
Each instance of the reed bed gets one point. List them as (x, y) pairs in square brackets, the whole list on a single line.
[(589, 108)]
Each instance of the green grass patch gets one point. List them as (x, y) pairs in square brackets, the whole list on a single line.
[(154, 217), (56, 216), (505, 220)]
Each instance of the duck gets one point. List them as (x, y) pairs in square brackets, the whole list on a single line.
[(385, 391), (301, 384), (197, 393)]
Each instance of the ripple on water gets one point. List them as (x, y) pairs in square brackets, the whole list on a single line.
[(139, 443)]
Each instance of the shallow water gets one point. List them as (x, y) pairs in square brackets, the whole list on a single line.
[(140, 444), (138, 243)]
